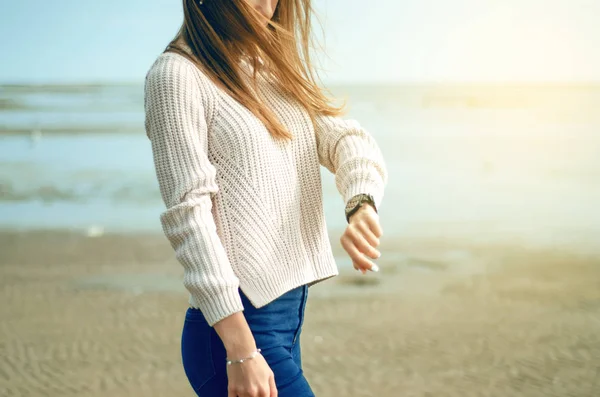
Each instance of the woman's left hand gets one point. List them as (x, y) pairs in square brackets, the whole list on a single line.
[(361, 237)]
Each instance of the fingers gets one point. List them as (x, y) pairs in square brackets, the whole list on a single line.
[(363, 244), (374, 226), (370, 217), (357, 257), (272, 386), (360, 269), (353, 237), (359, 240), (254, 392), (368, 234), (261, 392)]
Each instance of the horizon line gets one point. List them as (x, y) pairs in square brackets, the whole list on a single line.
[(96, 83)]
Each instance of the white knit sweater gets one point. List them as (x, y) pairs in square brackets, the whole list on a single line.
[(244, 210)]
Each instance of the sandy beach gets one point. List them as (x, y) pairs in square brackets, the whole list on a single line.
[(101, 316)]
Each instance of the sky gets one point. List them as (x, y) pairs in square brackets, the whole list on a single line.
[(366, 41)]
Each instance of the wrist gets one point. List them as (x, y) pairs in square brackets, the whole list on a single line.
[(362, 208), (357, 203), (239, 350), (365, 205), (236, 335), (231, 361)]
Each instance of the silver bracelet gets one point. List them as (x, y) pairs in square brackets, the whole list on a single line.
[(241, 360)]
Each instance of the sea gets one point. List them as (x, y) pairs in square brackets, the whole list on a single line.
[(491, 163)]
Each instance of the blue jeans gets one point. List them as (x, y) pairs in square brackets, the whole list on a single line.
[(276, 328)]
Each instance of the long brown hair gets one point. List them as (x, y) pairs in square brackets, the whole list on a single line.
[(216, 34)]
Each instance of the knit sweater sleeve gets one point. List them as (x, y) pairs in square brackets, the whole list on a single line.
[(178, 107), (351, 153)]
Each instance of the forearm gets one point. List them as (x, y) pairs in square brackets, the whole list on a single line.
[(208, 275), (351, 153), (236, 335)]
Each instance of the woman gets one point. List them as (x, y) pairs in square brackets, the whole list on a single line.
[(239, 128)]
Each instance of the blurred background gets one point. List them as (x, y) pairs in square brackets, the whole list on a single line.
[(488, 116)]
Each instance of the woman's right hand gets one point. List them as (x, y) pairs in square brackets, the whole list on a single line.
[(252, 378)]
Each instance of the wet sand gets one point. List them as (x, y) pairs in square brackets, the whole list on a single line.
[(102, 316)]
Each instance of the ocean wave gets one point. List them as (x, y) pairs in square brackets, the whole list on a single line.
[(80, 194)]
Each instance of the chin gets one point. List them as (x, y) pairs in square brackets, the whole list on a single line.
[(267, 14)]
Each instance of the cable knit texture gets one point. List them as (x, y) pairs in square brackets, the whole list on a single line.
[(245, 210)]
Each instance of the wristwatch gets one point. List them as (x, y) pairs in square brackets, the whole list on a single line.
[(356, 202)]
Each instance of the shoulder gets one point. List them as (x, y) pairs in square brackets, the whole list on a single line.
[(174, 72), (175, 82)]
